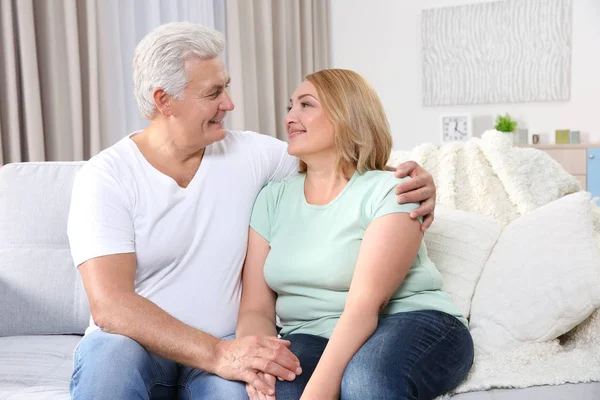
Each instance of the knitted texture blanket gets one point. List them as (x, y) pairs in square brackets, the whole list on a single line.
[(489, 176)]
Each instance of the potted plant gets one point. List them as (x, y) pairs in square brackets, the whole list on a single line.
[(504, 123)]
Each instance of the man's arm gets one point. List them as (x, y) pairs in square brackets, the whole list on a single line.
[(419, 189), (116, 308)]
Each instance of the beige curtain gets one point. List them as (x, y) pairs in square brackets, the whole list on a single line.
[(48, 78), (65, 71), (271, 46)]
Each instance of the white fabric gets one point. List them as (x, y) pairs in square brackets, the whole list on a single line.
[(36, 367), (542, 278), (40, 291), (488, 176), (190, 243), (459, 243)]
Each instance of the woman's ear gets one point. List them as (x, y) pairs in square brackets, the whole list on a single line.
[(163, 101)]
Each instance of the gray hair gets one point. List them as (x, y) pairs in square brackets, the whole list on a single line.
[(159, 60)]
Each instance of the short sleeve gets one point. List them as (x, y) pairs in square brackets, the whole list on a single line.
[(385, 200), (279, 164), (100, 221), (263, 212)]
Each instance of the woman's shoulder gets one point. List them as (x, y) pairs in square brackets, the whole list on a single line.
[(277, 189), (377, 180), (285, 183)]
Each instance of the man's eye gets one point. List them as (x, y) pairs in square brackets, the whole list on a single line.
[(288, 108)]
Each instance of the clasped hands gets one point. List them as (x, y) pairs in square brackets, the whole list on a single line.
[(258, 361)]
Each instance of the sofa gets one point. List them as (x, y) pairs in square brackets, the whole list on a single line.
[(43, 306)]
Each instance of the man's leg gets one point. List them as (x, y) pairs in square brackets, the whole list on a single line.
[(195, 384), (411, 355), (117, 367)]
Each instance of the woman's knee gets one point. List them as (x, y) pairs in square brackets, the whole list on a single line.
[(365, 381)]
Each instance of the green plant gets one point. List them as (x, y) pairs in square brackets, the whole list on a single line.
[(504, 123)]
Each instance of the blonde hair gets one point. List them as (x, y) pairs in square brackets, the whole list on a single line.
[(361, 131)]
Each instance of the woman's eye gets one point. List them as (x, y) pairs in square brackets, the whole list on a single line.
[(305, 105), (288, 108)]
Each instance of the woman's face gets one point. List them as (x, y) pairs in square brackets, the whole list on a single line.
[(309, 130)]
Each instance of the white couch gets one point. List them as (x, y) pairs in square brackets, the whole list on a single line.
[(43, 307)]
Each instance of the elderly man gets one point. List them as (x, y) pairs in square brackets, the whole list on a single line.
[(158, 229)]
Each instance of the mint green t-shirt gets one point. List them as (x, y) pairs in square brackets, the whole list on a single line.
[(314, 250)]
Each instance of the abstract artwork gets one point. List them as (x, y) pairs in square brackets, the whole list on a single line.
[(500, 52)]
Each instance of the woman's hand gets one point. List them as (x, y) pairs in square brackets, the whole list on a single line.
[(254, 394), (419, 189)]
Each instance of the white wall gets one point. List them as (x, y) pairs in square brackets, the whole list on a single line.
[(381, 39)]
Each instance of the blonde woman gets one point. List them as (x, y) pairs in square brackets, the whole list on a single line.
[(343, 265)]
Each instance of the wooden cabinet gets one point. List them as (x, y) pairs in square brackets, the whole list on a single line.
[(580, 160)]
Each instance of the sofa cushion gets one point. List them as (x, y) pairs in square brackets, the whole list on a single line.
[(542, 277), (459, 243), (36, 367), (40, 289)]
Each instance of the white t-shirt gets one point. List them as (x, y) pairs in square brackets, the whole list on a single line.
[(189, 243)]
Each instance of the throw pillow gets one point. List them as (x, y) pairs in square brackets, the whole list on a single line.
[(459, 243), (542, 277)]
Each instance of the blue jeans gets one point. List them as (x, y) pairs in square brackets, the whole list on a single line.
[(116, 367), (412, 355)]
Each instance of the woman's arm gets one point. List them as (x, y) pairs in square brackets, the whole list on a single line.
[(388, 250), (257, 309)]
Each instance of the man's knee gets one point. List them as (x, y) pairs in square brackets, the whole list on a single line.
[(99, 347), (104, 361), (202, 385)]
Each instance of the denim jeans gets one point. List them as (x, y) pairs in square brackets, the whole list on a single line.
[(116, 367), (412, 355)]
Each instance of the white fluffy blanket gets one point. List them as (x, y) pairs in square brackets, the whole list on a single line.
[(489, 176)]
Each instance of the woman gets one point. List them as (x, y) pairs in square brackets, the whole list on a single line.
[(342, 264)]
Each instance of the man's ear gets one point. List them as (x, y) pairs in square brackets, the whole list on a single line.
[(163, 102)]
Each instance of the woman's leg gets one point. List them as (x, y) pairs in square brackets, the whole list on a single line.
[(416, 355), (308, 349)]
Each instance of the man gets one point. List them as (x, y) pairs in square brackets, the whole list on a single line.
[(158, 230)]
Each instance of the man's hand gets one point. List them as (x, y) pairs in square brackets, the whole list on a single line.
[(419, 189), (254, 394), (242, 359)]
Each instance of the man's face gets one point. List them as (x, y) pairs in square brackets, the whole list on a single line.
[(198, 115)]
